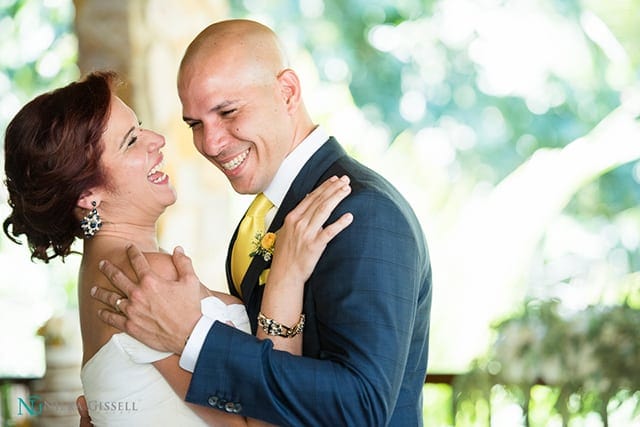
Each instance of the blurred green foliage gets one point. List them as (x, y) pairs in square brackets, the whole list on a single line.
[(412, 65), (452, 79), (387, 50), (38, 51)]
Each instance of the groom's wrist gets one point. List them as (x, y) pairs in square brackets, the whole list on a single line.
[(205, 292), (194, 343)]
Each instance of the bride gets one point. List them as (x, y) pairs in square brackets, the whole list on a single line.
[(79, 165)]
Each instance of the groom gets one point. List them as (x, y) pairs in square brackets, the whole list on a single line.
[(367, 304)]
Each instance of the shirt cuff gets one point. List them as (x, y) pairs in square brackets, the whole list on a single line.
[(194, 344)]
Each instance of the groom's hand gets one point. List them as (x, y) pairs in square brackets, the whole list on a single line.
[(158, 312)]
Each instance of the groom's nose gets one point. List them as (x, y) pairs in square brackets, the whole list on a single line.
[(215, 139)]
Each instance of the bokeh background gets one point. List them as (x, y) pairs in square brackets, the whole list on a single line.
[(510, 125)]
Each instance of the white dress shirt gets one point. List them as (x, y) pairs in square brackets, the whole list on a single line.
[(275, 192)]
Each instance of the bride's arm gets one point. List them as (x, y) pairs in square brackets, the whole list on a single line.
[(299, 245)]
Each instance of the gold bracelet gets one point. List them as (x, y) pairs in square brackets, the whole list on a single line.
[(271, 327)]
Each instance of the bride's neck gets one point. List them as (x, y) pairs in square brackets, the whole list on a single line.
[(144, 237)]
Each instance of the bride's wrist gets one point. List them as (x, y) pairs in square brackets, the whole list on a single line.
[(288, 280)]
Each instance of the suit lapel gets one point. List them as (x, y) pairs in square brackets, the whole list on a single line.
[(232, 288), (303, 184), (308, 178)]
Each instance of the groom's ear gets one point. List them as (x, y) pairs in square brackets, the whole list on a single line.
[(290, 89)]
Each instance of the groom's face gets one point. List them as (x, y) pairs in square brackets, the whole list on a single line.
[(239, 119)]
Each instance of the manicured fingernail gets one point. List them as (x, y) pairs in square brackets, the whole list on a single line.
[(101, 264), (93, 291), (345, 178), (179, 250)]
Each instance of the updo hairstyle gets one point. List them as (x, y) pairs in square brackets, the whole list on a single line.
[(52, 153)]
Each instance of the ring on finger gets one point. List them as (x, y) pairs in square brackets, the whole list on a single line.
[(117, 305)]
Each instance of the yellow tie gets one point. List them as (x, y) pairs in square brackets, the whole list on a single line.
[(252, 224)]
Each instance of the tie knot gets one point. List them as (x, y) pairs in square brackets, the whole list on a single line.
[(260, 206)]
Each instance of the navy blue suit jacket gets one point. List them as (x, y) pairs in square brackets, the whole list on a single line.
[(366, 336)]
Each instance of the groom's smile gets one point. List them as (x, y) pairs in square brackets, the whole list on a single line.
[(236, 161)]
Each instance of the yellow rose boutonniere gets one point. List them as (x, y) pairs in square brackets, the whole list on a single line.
[(263, 245)]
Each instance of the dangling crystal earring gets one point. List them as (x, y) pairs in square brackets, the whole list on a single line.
[(91, 223)]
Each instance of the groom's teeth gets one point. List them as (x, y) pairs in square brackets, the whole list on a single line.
[(234, 163)]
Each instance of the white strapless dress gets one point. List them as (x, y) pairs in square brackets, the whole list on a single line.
[(123, 388)]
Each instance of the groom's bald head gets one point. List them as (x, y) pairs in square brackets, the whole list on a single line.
[(247, 46)]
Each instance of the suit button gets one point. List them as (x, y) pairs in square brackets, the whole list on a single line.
[(230, 407), (213, 401), (238, 408), (221, 403)]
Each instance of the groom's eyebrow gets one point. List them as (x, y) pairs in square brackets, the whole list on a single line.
[(215, 109), (221, 106)]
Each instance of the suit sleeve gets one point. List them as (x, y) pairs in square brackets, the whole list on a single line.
[(364, 294)]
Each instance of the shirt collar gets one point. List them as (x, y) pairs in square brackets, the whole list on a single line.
[(292, 165)]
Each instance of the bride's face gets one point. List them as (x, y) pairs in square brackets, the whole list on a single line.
[(133, 164)]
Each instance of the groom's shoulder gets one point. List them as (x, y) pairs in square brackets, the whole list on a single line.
[(370, 188), (333, 160), (362, 177)]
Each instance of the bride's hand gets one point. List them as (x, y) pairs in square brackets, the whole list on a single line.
[(302, 239)]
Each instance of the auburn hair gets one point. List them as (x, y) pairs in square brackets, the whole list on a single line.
[(52, 152)]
